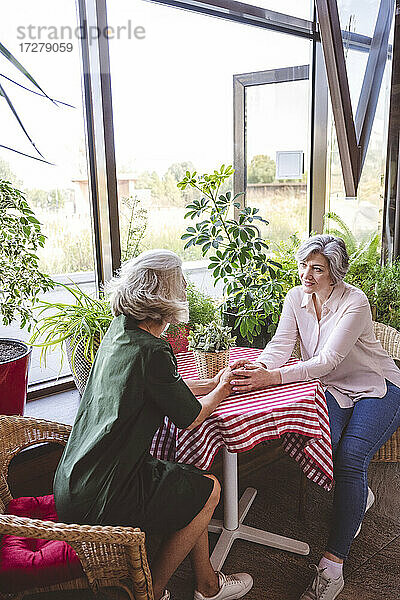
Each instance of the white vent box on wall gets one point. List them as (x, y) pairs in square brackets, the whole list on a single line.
[(289, 164)]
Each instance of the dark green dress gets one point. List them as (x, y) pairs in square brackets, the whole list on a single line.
[(106, 475)]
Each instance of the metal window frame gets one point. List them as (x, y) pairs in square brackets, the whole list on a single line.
[(248, 14), (100, 138), (240, 83), (391, 208), (353, 134)]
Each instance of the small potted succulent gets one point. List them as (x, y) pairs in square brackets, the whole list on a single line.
[(210, 344)]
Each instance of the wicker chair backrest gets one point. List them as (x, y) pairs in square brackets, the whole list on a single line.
[(389, 338), (17, 433)]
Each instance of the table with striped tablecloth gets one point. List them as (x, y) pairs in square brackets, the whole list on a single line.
[(296, 413)]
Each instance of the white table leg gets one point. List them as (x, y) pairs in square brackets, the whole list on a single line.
[(234, 514)]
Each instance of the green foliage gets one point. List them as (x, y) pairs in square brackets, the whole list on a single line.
[(387, 294), (132, 234), (212, 337), (285, 253), (52, 200), (21, 281), (381, 285), (261, 169), (8, 174), (85, 319), (364, 249), (202, 309), (163, 189), (237, 253)]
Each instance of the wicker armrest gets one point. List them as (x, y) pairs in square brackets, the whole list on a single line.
[(48, 530)]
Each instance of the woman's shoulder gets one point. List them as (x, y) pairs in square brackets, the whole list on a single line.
[(295, 294), (354, 295)]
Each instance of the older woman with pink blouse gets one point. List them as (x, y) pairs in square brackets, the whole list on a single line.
[(362, 386)]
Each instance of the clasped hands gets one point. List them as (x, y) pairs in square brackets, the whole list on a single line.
[(246, 376)]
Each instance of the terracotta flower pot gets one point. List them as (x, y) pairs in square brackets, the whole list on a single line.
[(14, 365)]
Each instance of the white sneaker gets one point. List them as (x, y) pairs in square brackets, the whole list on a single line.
[(230, 586), (370, 501), (166, 595), (323, 587)]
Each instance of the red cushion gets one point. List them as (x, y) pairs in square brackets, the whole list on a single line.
[(27, 563)]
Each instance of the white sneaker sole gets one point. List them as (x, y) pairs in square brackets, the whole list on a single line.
[(370, 501), (338, 592)]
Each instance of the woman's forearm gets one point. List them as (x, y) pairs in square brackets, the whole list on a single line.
[(210, 402), (200, 387)]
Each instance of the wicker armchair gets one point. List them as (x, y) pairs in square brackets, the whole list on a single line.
[(111, 557)]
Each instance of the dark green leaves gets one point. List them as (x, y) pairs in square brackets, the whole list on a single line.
[(228, 235), (21, 280)]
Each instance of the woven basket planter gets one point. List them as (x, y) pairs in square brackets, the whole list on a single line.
[(209, 363), (80, 367)]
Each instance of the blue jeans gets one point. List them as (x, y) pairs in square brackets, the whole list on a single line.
[(357, 433)]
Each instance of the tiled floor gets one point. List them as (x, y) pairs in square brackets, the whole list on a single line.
[(372, 571)]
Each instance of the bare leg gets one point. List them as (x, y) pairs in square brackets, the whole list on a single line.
[(206, 578), (177, 546)]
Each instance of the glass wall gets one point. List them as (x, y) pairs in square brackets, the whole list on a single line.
[(277, 128), (362, 214), (43, 38), (173, 108), (296, 8)]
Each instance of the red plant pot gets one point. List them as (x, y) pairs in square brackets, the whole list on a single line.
[(14, 378)]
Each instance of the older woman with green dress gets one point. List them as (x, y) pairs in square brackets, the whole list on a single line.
[(107, 475)]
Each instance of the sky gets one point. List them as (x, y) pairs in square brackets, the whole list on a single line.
[(172, 91)]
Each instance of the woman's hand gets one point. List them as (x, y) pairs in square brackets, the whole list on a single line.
[(221, 373), (253, 376)]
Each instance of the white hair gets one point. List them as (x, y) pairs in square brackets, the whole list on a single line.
[(150, 286), (334, 250)]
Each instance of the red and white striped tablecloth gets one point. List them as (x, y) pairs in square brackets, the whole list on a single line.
[(296, 413)]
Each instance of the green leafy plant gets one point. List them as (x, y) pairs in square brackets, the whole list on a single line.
[(285, 253), (381, 285), (85, 320), (21, 280), (237, 253), (136, 219), (362, 250), (212, 337), (202, 308), (6, 54)]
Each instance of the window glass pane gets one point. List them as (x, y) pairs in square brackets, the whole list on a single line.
[(277, 129), (43, 37), (173, 108), (363, 214), (358, 16), (295, 8)]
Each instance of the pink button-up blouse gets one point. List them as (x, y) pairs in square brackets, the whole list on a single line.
[(341, 349)]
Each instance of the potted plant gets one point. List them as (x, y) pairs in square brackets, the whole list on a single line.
[(21, 282), (80, 325), (202, 310), (210, 344), (237, 255)]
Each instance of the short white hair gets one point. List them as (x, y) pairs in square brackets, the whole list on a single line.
[(150, 286), (334, 250)]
